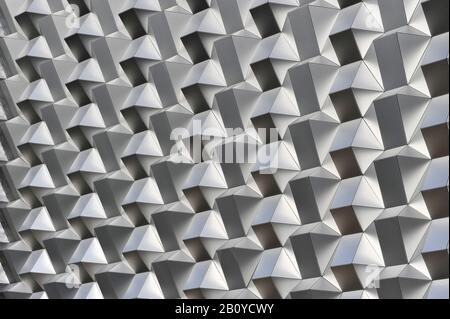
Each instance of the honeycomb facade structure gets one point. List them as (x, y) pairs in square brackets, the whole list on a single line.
[(113, 113)]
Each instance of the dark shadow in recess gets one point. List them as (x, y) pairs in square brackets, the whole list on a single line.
[(27, 26), (346, 163), (436, 75), (266, 184), (346, 220), (134, 74), (436, 13), (195, 98), (436, 139), (134, 120), (265, 20), (27, 67), (132, 24), (437, 202), (264, 123), (197, 5), (345, 105), (194, 47), (347, 3), (76, 90), (265, 74), (196, 199), (76, 46), (345, 46)]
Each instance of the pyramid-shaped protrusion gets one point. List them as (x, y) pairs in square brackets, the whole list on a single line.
[(355, 28), (206, 277), (144, 286), (353, 91), (88, 206), (399, 173), (276, 273), (399, 247), (315, 20), (38, 219), (244, 255), (89, 251), (399, 55), (354, 149), (308, 188), (38, 263), (276, 220), (355, 262), (355, 205), (398, 114), (38, 177), (88, 116), (314, 246), (37, 134), (144, 191), (311, 97), (205, 234)]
